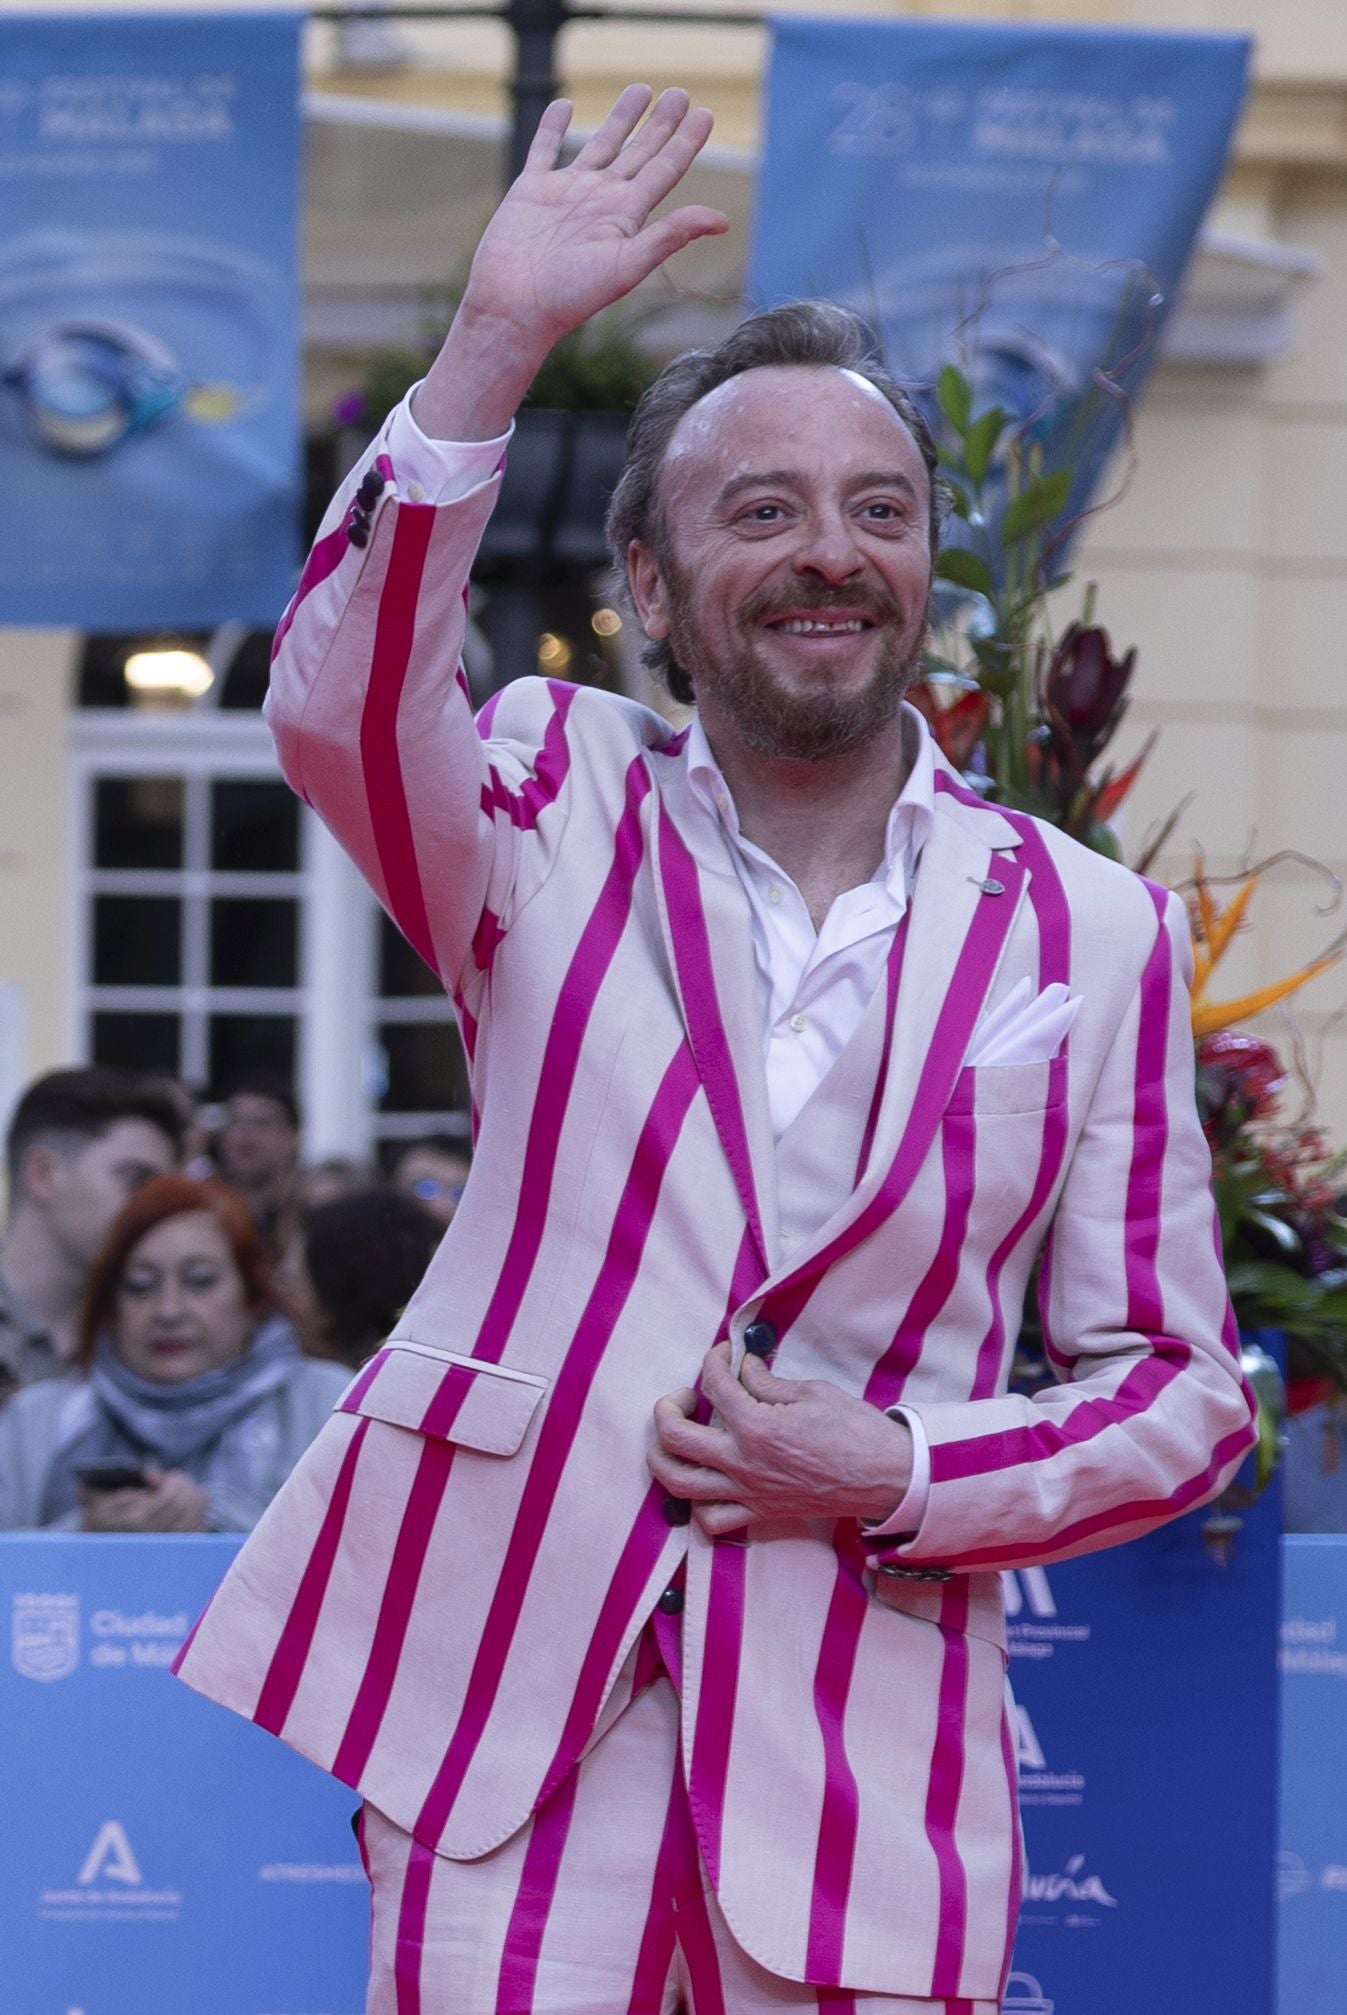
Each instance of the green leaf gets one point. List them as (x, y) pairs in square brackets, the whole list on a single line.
[(956, 397), (961, 504), (1035, 507), (981, 440), (966, 570)]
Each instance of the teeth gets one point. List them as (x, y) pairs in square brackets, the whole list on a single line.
[(803, 627)]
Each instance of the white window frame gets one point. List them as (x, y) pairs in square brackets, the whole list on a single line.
[(334, 999)]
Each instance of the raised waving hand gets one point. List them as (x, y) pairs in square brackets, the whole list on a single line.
[(564, 243)]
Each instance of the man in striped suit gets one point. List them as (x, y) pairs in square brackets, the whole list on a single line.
[(672, 1681)]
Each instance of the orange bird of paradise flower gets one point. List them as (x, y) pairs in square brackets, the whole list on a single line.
[(1213, 927)]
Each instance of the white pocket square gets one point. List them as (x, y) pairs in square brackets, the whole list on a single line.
[(1021, 1029)]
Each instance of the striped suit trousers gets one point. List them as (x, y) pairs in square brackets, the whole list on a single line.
[(601, 1905)]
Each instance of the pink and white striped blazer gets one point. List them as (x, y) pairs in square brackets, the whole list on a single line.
[(442, 1605)]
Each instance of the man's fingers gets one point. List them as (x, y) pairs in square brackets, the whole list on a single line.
[(606, 143), (682, 1402), (718, 1519), (687, 1479), (689, 1439), (545, 145), (666, 116), (660, 240), (730, 1399), (666, 168), (763, 1384)]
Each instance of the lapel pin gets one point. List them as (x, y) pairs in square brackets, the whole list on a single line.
[(990, 887)]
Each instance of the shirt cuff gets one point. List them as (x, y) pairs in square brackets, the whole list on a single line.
[(443, 472), (904, 1521)]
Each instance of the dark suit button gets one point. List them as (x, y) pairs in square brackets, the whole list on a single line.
[(372, 487), (671, 1602), (677, 1510), (358, 531), (760, 1339)]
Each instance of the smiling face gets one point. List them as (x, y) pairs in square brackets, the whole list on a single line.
[(181, 1307), (794, 569)]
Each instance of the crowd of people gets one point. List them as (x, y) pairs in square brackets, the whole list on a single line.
[(183, 1298)]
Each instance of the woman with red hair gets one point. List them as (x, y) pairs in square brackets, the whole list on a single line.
[(193, 1401)]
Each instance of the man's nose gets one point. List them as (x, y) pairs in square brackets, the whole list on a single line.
[(828, 548)]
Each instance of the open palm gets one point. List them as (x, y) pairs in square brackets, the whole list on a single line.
[(569, 241)]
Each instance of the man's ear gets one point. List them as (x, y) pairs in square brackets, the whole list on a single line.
[(39, 1165), (648, 591)]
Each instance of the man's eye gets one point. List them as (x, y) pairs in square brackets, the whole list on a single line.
[(763, 514)]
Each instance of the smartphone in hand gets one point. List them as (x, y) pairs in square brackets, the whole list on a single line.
[(110, 1475)]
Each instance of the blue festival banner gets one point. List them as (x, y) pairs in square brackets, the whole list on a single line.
[(1145, 1684), (1019, 200), (1312, 1869), (149, 408), (158, 1856)]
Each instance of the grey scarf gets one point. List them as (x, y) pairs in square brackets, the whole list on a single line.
[(175, 1426)]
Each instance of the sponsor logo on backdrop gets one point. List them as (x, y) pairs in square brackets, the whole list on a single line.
[(1033, 1627), (1040, 1783), (110, 1887), (1072, 1898), (1310, 1644), (135, 1638), (45, 1635), (1024, 1996)]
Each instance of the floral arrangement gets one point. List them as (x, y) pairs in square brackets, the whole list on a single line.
[(1027, 714), (1279, 1189)]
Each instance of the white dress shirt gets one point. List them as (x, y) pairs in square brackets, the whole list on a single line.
[(813, 986)]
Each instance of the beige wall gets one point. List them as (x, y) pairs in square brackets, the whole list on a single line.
[(1227, 566)]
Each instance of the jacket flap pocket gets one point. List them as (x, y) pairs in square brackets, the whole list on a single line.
[(976, 1611), (436, 1392)]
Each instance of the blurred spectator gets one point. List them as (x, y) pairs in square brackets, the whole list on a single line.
[(328, 1180), (80, 1141), (359, 1261), (435, 1171), (257, 1151), (197, 1126), (193, 1401)]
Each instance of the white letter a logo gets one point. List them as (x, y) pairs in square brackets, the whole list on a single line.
[(110, 1857)]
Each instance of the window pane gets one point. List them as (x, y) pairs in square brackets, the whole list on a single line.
[(138, 822), (137, 941), (425, 1071), (401, 970), (254, 827), (251, 1042), (253, 942), (136, 1041)]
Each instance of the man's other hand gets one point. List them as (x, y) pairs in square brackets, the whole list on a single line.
[(777, 1449)]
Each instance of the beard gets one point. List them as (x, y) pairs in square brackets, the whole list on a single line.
[(777, 720)]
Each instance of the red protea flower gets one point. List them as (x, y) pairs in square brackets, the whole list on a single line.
[(1255, 1070)]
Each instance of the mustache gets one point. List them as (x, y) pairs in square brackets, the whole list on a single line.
[(819, 601)]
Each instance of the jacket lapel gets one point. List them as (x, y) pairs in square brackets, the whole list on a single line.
[(968, 890), (708, 930)]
